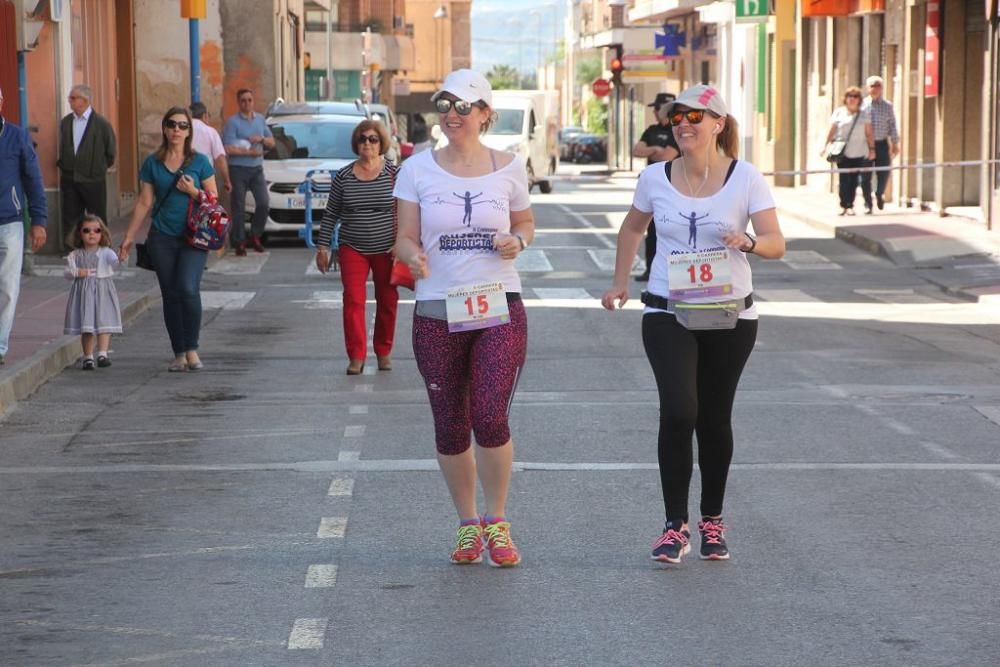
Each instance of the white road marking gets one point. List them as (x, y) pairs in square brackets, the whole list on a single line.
[(349, 456), (341, 486), (235, 266), (899, 427), (605, 260), (332, 526), (321, 576), (354, 431), (532, 260), (992, 480), (307, 633), (561, 293), (363, 388), (808, 260), (938, 450), (226, 300), (603, 238), (991, 412), (893, 296), (323, 300), (785, 295), (358, 410)]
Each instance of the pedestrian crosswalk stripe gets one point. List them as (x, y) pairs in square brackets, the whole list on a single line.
[(561, 293), (358, 410), (532, 260), (354, 431), (349, 456), (605, 259), (785, 296), (307, 633), (321, 576), (341, 486), (323, 300), (991, 412), (332, 526), (226, 300), (237, 266), (808, 260), (895, 295)]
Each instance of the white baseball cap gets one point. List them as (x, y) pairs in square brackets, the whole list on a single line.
[(467, 85), (701, 97)]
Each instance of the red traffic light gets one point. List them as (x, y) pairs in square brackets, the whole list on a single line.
[(616, 65)]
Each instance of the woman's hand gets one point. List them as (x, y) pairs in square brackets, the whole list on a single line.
[(327, 259), (85, 273), (619, 294), (186, 185), (508, 245), (124, 249), (418, 266), (737, 241)]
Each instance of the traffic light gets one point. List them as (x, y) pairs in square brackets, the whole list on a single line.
[(617, 66)]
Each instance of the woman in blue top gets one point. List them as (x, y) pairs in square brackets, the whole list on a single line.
[(169, 180)]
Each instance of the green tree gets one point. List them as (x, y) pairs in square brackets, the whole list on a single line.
[(588, 69), (597, 116), (503, 77)]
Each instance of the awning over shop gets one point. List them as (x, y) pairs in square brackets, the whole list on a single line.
[(818, 8), (400, 55)]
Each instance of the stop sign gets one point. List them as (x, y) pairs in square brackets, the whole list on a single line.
[(601, 87)]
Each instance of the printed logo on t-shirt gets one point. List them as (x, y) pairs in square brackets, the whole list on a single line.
[(694, 222), (468, 202), (476, 241)]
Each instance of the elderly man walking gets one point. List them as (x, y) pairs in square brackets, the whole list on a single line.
[(20, 186), (886, 137), (87, 150)]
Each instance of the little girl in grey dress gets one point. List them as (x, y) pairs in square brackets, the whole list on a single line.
[(92, 309)]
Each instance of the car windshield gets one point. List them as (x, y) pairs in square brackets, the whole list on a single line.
[(312, 140), (509, 121)]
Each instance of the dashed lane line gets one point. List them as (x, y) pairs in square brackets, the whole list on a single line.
[(354, 430), (358, 410), (307, 633), (349, 456), (321, 576), (212, 300), (341, 486), (331, 527)]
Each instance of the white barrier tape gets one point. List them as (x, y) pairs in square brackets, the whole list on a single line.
[(858, 170)]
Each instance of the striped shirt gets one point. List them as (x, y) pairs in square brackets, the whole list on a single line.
[(364, 210), (883, 118)]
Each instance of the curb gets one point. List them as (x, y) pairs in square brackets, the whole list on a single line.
[(29, 374)]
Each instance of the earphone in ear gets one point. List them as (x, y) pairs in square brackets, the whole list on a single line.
[(718, 128)]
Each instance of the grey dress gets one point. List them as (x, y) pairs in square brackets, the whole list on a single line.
[(93, 301)]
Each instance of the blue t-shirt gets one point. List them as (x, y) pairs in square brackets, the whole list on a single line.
[(236, 128), (171, 219)]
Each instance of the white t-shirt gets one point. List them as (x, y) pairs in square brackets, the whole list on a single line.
[(687, 224), (458, 219), (206, 140)]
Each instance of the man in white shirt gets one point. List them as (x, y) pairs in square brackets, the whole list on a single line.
[(206, 140)]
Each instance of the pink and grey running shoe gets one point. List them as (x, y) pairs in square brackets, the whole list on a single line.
[(674, 543), (713, 539)]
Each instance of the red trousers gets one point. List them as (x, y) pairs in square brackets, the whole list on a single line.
[(354, 269)]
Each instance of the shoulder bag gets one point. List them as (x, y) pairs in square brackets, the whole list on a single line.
[(401, 275), (835, 151)]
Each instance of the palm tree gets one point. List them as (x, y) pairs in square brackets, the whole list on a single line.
[(503, 77)]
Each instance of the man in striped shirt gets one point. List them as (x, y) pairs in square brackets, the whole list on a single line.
[(886, 137)]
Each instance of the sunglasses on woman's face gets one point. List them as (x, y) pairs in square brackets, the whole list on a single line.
[(90, 230), (849, 95), (370, 138), (462, 108), (694, 116), (177, 124)]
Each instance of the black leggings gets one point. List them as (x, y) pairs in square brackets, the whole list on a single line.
[(696, 376)]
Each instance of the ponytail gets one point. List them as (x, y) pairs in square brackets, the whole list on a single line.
[(728, 140)]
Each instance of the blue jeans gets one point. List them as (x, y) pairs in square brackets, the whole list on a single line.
[(178, 269), (252, 179), (11, 255)]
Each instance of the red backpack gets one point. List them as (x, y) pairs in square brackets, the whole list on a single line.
[(207, 222)]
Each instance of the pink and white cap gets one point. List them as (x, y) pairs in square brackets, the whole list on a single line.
[(701, 97), (467, 85)]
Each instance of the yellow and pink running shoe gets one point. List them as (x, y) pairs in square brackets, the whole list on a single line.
[(500, 549), (469, 549)]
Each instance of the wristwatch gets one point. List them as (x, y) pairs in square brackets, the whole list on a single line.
[(753, 242), (521, 239)]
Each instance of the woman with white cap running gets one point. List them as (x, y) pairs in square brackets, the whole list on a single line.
[(464, 216), (699, 324)]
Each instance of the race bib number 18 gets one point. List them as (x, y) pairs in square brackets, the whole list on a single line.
[(700, 274), (477, 307)]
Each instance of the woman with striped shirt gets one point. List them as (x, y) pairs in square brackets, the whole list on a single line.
[(361, 201)]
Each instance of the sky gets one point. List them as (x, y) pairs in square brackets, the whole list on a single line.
[(506, 32)]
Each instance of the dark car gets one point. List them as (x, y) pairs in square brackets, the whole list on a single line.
[(566, 136), (589, 148)]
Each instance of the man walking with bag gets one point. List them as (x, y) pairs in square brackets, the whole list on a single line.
[(246, 136)]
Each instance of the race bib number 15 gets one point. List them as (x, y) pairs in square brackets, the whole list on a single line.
[(477, 307)]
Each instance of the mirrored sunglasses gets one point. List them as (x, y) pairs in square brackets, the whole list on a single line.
[(177, 125), (90, 230), (370, 138), (462, 108), (694, 116)]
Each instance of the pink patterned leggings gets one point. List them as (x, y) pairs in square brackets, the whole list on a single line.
[(471, 377)]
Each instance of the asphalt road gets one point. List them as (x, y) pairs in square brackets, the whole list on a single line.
[(273, 511)]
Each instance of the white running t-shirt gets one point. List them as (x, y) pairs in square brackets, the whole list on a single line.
[(695, 224), (458, 219)]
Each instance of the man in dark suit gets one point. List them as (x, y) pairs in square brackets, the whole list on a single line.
[(86, 152)]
